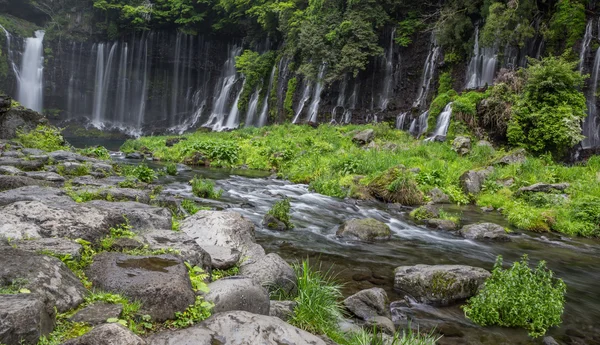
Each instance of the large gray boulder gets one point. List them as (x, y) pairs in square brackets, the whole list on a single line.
[(12, 182), (97, 313), (439, 284), (188, 249), (33, 219), (19, 118), (238, 293), (544, 188), (195, 335), (226, 229), (462, 145), (484, 231), (141, 217), (273, 273), (24, 319), (282, 309), (472, 180), (107, 334), (517, 156), (45, 176), (46, 277), (46, 195), (369, 303), (368, 229), (364, 137), (222, 258), (57, 246), (160, 282)]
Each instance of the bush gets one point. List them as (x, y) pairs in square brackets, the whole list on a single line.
[(205, 188), (519, 297), (142, 172), (171, 169), (281, 211), (398, 186), (99, 152), (47, 138)]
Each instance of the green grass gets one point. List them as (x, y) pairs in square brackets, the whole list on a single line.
[(204, 188), (328, 160)]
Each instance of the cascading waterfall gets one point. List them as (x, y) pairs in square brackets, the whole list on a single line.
[(341, 99), (585, 45), (229, 77), (400, 120), (31, 75), (303, 100), (443, 121), (10, 53), (591, 125), (233, 120), (386, 89), (313, 111), (262, 119), (103, 81), (482, 67), (428, 74), (252, 107), (351, 104)]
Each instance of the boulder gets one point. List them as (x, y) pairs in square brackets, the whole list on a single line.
[(12, 182), (238, 293), (119, 194), (439, 284), (382, 324), (160, 282), (188, 249), (97, 313), (45, 276), (14, 154), (33, 152), (47, 195), (517, 156), (282, 309), (437, 196), (369, 303), (112, 181), (226, 229), (195, 335), (485, 143), (441, 224), (425, 212), (32, 164), (10, 170), (19, 118), (33, 219), (64, 156), (270, 222), (484, 231), (368, 229), (544, 188), (141, 217), (45, 176), (472, 180), (222, 258), (134, 155), (107, 334), (364, 137), (24, 319), (57, 246), (462, 145), (273, 273)]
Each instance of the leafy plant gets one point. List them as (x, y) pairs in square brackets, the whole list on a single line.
[(171, 169), (144, 173), (519, 297), (43, 137), (99, 152), (281, 211), (205, 188)]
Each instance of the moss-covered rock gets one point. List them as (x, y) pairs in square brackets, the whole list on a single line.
[(396, 185), (425, 212), (368, 229)]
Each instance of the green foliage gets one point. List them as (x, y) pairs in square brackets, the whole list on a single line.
[(64, 330), (190, 206), (171, 169), (14, 287), (79, 170), (281, 211), (509, 24), (205, 188), (218, 274), (422, 213), (119, 231), (519, 297), (141, 172), (407, 28), (288, 103), (407, 337), (567, 25), (198, 311), (547, 116), (43, 137), (99, 152), (256, 69)]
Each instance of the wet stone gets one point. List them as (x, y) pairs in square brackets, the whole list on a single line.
[(97, 313)]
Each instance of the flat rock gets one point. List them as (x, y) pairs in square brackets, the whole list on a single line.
[(282, 309), (484, 231), (45, 276), (141, 217), (107, 334), (222, 258), (437, 196), (195, 335), (45, 176), (33, 219), (273, 273), (188, 249), (61, 155), (111, 181), (472, 180), (160, 282), (57, 246), (47, 195), (33, 152), (10, 170), (368, 229), (73, 168), (462, 145), (544, 187), (238, 293), (12, 182), (441, 224), (364, 137), (14, 154), (97, 313), (382, 324), (369, 303), (24, 319), (439, 284), (515, 157), (118, 194), (225, 229)]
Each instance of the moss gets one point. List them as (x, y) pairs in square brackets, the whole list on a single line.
[(398, 186), (442, 282), (288, 104), (422, 213)]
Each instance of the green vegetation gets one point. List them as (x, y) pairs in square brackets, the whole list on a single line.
[(43, 137), (256, 69), (519, 297), (141, 172), (288, 103), (281, 211), (203, 188), (198, 311), (78, 170), (218, 274), (171, 169), (407, 337), (99, 152), (120, 231)]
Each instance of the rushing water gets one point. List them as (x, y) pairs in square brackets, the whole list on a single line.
[(30, 90), (482, 67)]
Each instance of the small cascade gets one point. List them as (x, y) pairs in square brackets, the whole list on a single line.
[(303, 100), (443, 121), (418, 126), (282, 80), (313, 111), (591, 125), (31, 75), (401, 120), (482, 67), (428, 74), (233, 120), (347, 117), (104, 73), (386, 89), (341, 99), (585, 45), (262, 119), (222, 91), (9, 51), (252, 107)]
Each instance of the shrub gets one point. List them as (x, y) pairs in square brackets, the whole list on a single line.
[(171, 169), (205, 188), (144, 173), (519, 297), (99, 152), (281, 211), (43, 137), (398, 186)]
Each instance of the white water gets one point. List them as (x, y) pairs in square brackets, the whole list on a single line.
[(303, 100), (428, 73), (220, 111), (400, 120), (252, 107), (482, 67), (233, 120), (351, 103), (591, 128), (262, 119), (585, 44), (31, 75), (443, 121), (341, 100), (313, 111), (386, 90)]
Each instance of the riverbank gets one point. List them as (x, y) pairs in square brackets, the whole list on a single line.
[(470, 172)]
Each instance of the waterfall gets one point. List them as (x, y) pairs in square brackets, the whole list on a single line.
[(233, 120), (341, 99), (31, 75), (282, 80), (252, 107), (313, 111), (351, 103), (443, 121), (422, 122), (482, 67), (585, 44), (400, 120), (384, 97), (262, 119), (9, 52), (222, 92), (428, 74), (303, 100), (591, 129), (103, 82)]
